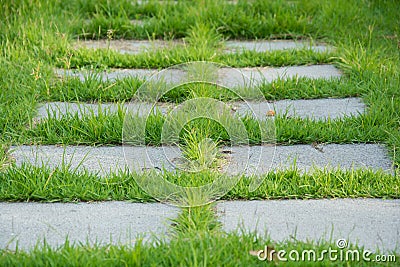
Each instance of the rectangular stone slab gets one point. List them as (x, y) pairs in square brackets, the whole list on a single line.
[(262, 159), (118, 223), (318, 109), (60, 109), (373, 223), (240, 159), (233, 46), (227, 77), (127, 46)]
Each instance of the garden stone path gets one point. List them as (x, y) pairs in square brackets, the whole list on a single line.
[(372, 223), (321, 109)]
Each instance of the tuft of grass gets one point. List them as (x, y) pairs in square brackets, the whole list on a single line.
[(199, 220), (200, 151), (5, 159)]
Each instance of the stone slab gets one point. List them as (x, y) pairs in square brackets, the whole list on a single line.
[(274, 45), (127, 46), (317, 109), (372, 223), (227, 77), (262, 159), (88, 223), (241, 159), (98, 160), (234, 46), (60, 109)]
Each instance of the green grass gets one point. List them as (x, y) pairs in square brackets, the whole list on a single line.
[(36, 37), (245, 20), (195, 249), (30, 183), (91, 89), (107, 129), (165, 58)]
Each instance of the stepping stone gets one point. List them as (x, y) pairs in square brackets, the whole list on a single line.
[(60, 109), (140, 46), (228, 77), (127, 46), (372, 223), (241, 159), (262, 159), (97, 160), (333, 108), (103, 223), (273, 45), (317, 109)]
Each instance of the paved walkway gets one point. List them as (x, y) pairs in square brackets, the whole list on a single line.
[(372, 223)]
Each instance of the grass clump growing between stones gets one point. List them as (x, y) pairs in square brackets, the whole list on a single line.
[(5, 159), (200, 152)]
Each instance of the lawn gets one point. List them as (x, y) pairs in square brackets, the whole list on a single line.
[(39, 36)]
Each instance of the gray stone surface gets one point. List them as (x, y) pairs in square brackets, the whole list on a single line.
[(262, 159), (227, 77), (234, 46), (372, 223), (59, 109), (272, 45), (314, 108), (127, 46), (98, 160), (247, 160), (105, 76), (101, 223)]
